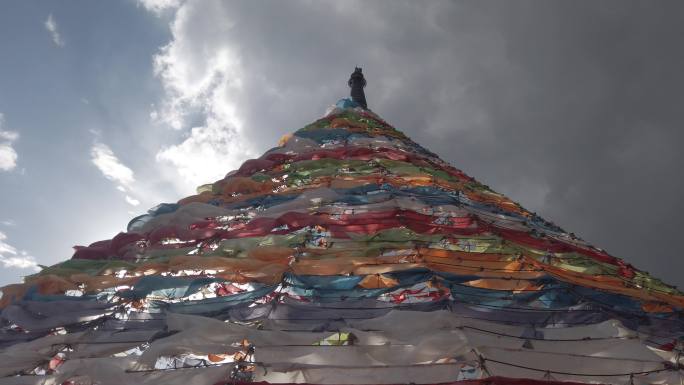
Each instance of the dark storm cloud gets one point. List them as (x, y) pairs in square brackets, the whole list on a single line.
[(571, 108)]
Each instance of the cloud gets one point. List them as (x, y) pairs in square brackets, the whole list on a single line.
[(132, 201), (207, 154), (113, 169), (110, 166), (10, 257), (158, 6), (207, 88), (8, 155), (51, 26)]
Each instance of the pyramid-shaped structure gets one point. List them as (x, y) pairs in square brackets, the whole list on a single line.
[(348, 254)]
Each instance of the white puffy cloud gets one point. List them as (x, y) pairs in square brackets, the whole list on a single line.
[(113, 169), (132, 201), (9, 136), (110, 166), (202, 81), (8, 155), (207, 154), (157, 6), (10, 257), (51, 27)]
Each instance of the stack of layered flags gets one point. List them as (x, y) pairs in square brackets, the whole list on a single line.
[(348, 254)]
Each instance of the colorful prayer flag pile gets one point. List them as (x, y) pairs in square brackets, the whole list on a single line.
[(348, 254)]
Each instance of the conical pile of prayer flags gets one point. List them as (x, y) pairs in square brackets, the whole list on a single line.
[(348, 254)]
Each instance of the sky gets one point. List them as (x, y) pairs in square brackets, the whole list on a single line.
[(572, 108)]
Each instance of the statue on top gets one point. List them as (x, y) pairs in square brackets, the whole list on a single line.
[(356, 83)]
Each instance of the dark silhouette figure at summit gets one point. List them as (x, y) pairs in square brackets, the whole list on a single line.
[(356, 83)]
